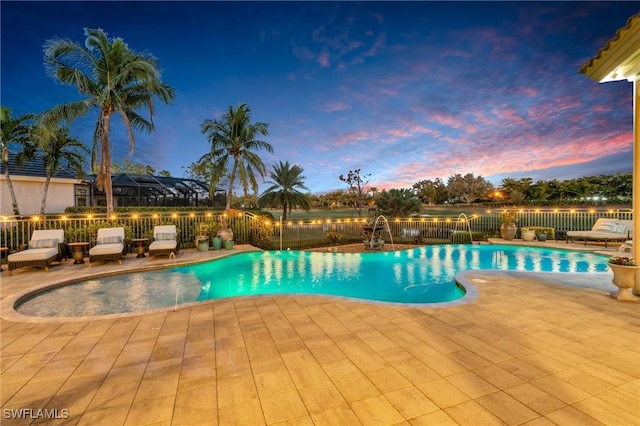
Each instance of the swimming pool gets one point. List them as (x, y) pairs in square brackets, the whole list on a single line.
[(420, 275)]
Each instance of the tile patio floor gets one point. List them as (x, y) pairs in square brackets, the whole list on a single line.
[(525, 351)]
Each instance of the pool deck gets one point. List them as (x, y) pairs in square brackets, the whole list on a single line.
[(528, 349)]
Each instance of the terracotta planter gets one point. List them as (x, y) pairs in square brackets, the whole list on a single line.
[(624, 277), (508, 231)]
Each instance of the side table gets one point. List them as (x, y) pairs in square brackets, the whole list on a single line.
[(78, 251), (140, 245), (4, 252)]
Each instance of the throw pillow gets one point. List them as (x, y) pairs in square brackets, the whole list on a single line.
[(114, 239), (619, 228), (605, 227), (165, 236), (43, 243)]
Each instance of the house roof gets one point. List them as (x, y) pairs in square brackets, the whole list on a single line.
[(35, 167), (619, 59)]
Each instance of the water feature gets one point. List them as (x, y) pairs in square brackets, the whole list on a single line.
[(462, 218), (375, 225)]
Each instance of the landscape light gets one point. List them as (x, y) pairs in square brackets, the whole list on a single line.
[(89, 216), (175, 215), (112, 217), (155, 216)]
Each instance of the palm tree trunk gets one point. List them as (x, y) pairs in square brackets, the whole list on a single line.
[(44, 195), (232, 177), (14, 201), (284, 211), (105, 160)]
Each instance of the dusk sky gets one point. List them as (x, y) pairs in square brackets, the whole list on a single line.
[(404, 91)]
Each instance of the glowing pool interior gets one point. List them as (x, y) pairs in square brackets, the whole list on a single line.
[(421, 275)]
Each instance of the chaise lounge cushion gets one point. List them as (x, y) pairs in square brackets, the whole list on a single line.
[(33, 254)]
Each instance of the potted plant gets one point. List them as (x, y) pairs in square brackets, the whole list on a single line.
[(624, 276), (202, 237), (212, 231), (202, 242), (509, 228), (228, 244), (334, 237)]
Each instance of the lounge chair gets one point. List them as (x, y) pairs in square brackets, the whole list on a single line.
[(110, 245), (604, 230), (45, 247), (165, 241)]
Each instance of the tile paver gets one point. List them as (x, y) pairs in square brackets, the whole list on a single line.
[(552, 354)]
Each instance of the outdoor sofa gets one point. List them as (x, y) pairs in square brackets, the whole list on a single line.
[(44, 248), (165, 241), (110, 245), (606, 230)]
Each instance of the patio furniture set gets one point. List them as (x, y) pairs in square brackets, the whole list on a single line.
[(48, 246)]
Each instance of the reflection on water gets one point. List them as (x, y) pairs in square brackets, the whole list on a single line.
[(421, 275)]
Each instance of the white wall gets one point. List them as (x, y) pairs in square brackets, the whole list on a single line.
[(29, 191)]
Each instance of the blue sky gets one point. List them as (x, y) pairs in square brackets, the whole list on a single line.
[(403, 91)]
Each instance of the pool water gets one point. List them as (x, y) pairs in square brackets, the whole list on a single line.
[(420, 275)]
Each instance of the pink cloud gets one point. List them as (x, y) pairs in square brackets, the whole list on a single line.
[(336, 106), (323, 59)]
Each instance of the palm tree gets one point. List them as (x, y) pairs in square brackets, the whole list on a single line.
[(113, 78), (56, 146), (233, 142), (16, 131), (284, 192)]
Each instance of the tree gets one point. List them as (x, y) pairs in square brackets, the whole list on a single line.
[(56, 147), (357, 188), (133, 168), (113, 79), (398, 202), (468, 187), (15, 131), (431, 192), (233, 142), (286, 182)]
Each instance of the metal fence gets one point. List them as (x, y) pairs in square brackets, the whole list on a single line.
[(268, 234)]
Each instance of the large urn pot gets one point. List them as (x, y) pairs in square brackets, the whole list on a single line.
[(508, 231), (226, 234), (624, 277)]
